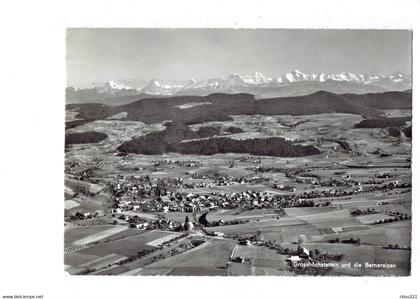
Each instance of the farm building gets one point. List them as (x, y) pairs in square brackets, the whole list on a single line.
[(293, 258)]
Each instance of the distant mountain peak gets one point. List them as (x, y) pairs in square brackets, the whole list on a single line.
[(115, 85), (154, 87), (297, 72), (154, 83), (111, 87)]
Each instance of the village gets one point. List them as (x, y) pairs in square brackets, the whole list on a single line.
[(161, 195)]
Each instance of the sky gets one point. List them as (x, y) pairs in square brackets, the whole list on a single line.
[(95, 56)]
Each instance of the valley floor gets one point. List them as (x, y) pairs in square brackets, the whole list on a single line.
[(126, 215)]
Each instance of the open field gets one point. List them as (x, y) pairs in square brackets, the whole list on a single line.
[(70, 204), (213, 254), (162, 240), (262, 225), (296, 212), (378, 235), (76, 233), (369, 219), (113, 249), (100, 235), (127, 246), (260, 257), (178, 216), (228, 215), (103, 261)]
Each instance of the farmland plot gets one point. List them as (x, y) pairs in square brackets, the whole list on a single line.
[(213, 254)]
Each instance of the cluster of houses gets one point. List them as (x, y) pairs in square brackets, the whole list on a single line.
[(82, 216), (230, 180), (216, 234), (79, 171), (346, 182), (183, 163), (143, 186), (161, 223), (261, 168), (201, 176), (140, 223), (221, 180), (72, 167), (240, 260), (200, 184), (358, 188), (383, 175), (340, 183), (162, 195), (284, 187)]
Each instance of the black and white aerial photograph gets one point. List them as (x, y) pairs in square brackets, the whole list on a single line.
[(223, 152), (209, 149)]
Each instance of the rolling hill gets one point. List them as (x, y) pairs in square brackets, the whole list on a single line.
[(219, 107)]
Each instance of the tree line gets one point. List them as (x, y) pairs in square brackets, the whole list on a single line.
[(85, 137)]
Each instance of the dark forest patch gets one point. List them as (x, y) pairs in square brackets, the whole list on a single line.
[(407, 132), (234, 130), (85, 137), (273, 146), (172, 139), (383, 122), (394, 132)]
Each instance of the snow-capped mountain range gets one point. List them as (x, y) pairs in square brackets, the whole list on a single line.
[(111, 86), (293, 83)]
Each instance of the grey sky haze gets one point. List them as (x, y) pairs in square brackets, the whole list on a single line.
[(99, 55)]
